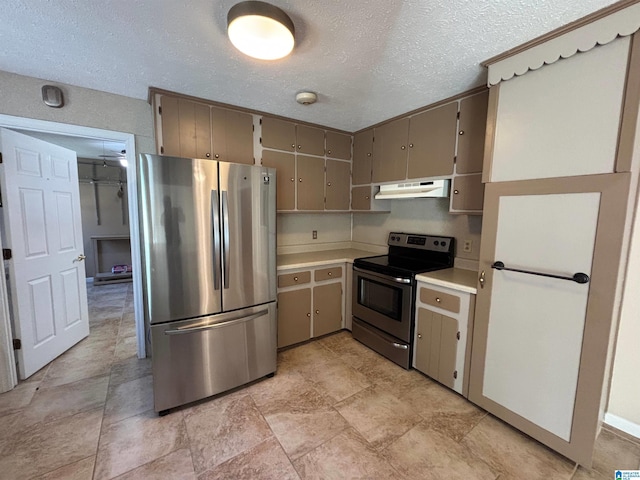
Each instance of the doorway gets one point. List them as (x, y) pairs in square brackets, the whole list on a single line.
[(59, 133)]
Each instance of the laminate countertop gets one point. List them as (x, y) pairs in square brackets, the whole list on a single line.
[(454, 278), (315, 259)]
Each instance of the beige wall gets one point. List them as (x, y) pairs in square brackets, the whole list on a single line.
[(22, 97), (296, 228), (426, 215)]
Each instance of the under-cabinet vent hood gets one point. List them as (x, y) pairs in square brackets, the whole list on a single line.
[(435, 188)]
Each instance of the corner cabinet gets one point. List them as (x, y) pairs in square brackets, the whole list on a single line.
[(310, 303), (444, 327)]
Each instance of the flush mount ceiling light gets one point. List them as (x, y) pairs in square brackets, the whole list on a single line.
[(260, 30)]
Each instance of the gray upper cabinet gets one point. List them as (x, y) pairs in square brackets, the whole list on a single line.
[(362, 157), (337, 185), (186, 128), (432, 142), (310, 172), (471, 132), (309, 140), (285, 165), (338, 145), (278, 134), (390, 151), (232, 136)]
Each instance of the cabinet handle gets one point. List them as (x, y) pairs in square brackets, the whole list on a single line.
[(317, 312), (438, 299), (368, 154), (207, 155), (419, 335), (461, 132), (411, 145), (330, 273), (293, 179), (295, 279), (217, 156), (328, 184), (309, 315), (455, 192), (329, 152), (403, 147)]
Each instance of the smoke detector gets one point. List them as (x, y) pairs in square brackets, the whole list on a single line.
[(306, 98)]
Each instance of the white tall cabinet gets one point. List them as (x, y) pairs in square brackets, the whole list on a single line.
[(558, 175)]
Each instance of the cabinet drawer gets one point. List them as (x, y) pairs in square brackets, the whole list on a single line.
[(327, 274), (290, 279), (440, 300)]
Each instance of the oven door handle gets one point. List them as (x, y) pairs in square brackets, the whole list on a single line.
[(401, 280)]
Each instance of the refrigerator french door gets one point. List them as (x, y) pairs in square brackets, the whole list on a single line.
[(208, 249)]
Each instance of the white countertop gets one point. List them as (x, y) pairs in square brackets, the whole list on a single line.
[(455, 278), (315, 259)]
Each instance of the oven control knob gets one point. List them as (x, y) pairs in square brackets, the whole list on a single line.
[(443, 244), (435, 242)]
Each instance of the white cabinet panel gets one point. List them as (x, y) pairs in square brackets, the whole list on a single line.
[(563, 119)]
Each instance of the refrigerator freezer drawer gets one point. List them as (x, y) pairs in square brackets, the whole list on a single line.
[(197, 358)]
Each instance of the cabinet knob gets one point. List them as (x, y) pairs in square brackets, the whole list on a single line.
[(217, 156), (419, 335), (411, 145), (299, 147), (293, 179), (293, 145), (403, 147), (329, 152), (207, 155), (461, 132), (438, 299), (368, 154), (308, 315), (330, 273), (317, 312), (456, 192), (295, 279), (300, 179), (366, 197), (328, 184)]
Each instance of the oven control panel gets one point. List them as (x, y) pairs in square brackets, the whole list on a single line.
[(419, 241)]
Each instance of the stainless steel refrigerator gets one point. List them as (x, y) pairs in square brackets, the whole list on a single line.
[(209, 274)]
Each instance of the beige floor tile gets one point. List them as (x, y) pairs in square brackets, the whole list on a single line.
[(378, 369), (46, 447), (265, 461), (17, 398), (425, 453), (130, 369), (138, 440), (126, 348), (223, 428), (347, 455), (613, 452), (81, 470), (129, 399), (379, 416), (585, 474), (71, 369), (513, 454), (303, 357), (336, 380), (350, 351), (281, 388), (175, 466)]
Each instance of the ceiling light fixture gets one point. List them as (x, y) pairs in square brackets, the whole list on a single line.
[(260, 30)]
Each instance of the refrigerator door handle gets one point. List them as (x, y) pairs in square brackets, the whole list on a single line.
[(225, 233), (215, 226), (200, 328)]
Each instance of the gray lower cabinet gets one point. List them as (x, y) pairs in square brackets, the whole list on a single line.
[(327, 309), (437, 346), (294, 317)]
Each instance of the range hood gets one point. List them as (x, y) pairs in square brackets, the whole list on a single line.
[(435, 188)]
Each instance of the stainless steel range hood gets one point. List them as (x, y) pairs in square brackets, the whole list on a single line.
[(435, 188)]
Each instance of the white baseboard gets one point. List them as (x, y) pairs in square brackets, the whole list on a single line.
[(621, 424)]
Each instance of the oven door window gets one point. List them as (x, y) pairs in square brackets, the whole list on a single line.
[(382, 298)]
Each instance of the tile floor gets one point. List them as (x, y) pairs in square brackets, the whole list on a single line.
[(335, 409)]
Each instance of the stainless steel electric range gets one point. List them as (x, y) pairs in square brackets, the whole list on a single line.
[(384, 292)]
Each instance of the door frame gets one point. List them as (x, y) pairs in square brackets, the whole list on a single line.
[(9, 121)]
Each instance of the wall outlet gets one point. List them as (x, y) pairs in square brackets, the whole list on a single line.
[(314, 234), (467, 246)]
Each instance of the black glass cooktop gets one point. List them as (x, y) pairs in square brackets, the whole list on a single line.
[(398, 266)]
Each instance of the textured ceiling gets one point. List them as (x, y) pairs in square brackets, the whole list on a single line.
[(367, 60)]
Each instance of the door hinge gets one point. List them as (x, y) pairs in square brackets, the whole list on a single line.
[(6, 254), (455, 159), (17, 344), (260, 140), (458, 335), (458, 116), (159, 110), (0, 157), (161, 149), (455, 374)]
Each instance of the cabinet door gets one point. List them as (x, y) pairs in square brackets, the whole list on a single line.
[(468, 193), (186, 128), (285, 165), (361, 198), (338, 145), (471, 130), (294, 317), (390, 151), (362, 157), (432, 142), (232, 136), (327, 309), (310, 183), (310, 140), (278, 134), (447, 373), (428, 326), (337, 196)]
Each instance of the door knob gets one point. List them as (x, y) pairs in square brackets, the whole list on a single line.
[(481, 280), (80, 258)]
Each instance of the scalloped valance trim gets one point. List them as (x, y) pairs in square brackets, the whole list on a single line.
[(619, 24)]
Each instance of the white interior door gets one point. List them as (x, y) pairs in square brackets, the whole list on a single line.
[(42, 227)]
